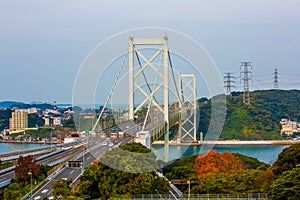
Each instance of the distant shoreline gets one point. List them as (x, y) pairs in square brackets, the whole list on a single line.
[(234, 142)]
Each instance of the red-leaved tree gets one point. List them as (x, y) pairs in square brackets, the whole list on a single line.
[(213, 162), (24, 166)]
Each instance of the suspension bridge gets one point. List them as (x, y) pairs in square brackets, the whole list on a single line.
[(152, 80)]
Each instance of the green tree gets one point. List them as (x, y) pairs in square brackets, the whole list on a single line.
[(69, 123), (14, 191), (88, 184), (287, 187), (43, 172), (61, 188), (100, 180), (287, 159), (34, 120), (242, 181), (4, 118)]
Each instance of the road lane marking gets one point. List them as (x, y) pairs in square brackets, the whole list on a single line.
[(49, 193), (71, 172)]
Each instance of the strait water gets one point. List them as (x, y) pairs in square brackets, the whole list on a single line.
[(264, 153), (9, 147)]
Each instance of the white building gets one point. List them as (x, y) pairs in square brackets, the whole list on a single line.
[(143, 137), (289, 127), (57, 121), (52, 120)]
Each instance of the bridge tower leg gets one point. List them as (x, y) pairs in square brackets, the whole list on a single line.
[(135, 72), (187, 127)]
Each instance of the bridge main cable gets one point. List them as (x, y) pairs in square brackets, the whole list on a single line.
[(111, 91)]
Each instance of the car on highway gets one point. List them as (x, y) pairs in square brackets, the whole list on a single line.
[(37, 197), (44, 191)]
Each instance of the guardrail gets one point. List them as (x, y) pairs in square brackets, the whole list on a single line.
[(5, 183), (250, 196)]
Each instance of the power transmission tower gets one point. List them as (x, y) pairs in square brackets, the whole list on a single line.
[(245, 78), (276, 84), (228, 82)]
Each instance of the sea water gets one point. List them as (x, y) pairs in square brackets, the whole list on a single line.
[(9, 147), (264, 153)]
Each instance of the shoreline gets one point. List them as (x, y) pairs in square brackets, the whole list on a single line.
[(27, 142), (233, 142)]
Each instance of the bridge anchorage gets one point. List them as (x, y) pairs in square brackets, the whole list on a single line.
[(150, 110)]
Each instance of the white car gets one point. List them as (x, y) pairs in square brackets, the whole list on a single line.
[(37, 197), (50, 198), (44, 191)]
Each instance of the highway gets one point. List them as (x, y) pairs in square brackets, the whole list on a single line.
[(95, 148), (49, 159)]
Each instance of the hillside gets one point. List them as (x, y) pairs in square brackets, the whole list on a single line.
[(4, 118), (260, 120)]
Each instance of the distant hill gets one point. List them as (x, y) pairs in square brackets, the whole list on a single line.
[(36, 102), (8, 104), (260, 119), (42, 106)]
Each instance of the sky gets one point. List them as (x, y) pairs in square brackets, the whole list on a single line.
[(43, 43)]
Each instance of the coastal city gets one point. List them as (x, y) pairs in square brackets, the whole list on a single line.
[(114, 100)]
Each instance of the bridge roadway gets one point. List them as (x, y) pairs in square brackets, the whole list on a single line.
[(155, 124), (95, 149)]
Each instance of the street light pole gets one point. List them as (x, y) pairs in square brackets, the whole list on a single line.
[(189, 182), (51, 139), (30, 173)]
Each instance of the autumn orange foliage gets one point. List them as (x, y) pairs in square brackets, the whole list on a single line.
[(213, 162), (24, 166), (96, 163)]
